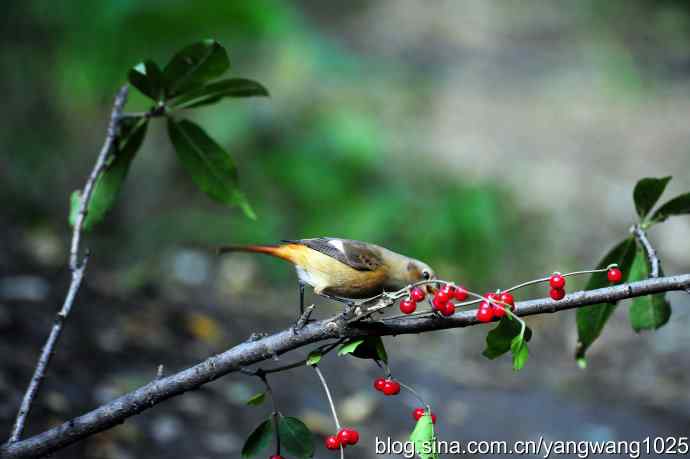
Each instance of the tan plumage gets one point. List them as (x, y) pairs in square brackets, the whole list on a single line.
[(344, 268)]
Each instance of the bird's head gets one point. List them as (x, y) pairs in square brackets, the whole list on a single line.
[(419, 271)]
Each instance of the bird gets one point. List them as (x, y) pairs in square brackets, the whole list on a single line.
[(343, 270)]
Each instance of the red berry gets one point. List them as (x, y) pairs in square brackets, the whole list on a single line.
[(277, 456), (408, 306), (557, 293), (557, 281), (448, 290), (379, 384), (441, 297), (508, 299), (448, 309), (417, 294), (492, 297), (354, 437), (460, 293), (614, 275), (485, 312), (438, 306), (333, 442), (499, 310), (348, 436), (419, 412), (391, 387)]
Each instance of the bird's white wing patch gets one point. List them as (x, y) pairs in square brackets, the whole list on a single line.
[(338, 244)]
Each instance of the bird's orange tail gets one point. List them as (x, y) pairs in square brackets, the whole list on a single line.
[(278, 251)]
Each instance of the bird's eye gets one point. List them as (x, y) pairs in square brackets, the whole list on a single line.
[(426, 275)]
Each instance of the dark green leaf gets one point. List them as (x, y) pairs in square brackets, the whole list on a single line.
[(295, 437), (649, 312), (592, 319), (423, 438), (213, 92), (677, 206), (520, 351), (498, 340), (646, 312), (368, 348), (147, 78), (314, 358), (194, 65), (647, 192), (257, 399), (211, 168), (109, 181), (258, 440)]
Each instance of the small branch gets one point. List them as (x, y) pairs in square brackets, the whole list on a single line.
[(75, 267), (249, 353), (649, 251)]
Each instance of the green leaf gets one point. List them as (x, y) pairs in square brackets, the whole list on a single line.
[(295, 437), (194, 65), (147, 77), (257, 399), (213, 92), (423, 438), (677, 206), (109, 181), (647, 192), (314, 358), (520, 351), (212, 169), (592, 319), (370, 347), (258, 440), (499, 340), (646, 312), (649, 312)]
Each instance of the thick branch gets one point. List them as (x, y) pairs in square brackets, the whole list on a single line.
[(253, 352), (75, 267)]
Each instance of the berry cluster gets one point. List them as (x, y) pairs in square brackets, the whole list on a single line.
[(420, 411), (495, 305), (392, 387), (443, 299), (345, 436), (387, 386), (557, 282)]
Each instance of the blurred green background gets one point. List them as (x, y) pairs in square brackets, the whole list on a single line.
[(498, 141)]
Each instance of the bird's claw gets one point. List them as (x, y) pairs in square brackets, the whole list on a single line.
[(303, 320)]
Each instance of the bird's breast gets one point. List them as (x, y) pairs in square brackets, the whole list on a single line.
[(328, 275)]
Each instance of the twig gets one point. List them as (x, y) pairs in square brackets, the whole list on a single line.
[(328, 395), (649, 251), (75, 267), (249, 353)]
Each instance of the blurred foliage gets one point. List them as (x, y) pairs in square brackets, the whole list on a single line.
[(314, 159)]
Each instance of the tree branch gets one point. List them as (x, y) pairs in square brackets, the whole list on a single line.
[(641, 236), (75, 267), (252, 352)]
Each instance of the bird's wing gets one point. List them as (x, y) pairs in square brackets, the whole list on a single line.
[(355, 254)]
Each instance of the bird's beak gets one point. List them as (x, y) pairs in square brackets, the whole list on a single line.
[(430, 289)]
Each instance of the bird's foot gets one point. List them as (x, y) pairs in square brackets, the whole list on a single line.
[(303, 320)]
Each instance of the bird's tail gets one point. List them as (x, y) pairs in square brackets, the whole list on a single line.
[(278, 251)]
